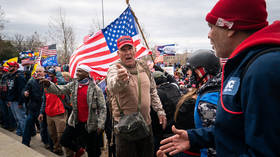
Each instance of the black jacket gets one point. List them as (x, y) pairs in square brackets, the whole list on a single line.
[(36, 91), (16, 83), (169, 95)]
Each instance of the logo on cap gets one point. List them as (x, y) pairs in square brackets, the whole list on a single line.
[(124, 40), (224, 23)]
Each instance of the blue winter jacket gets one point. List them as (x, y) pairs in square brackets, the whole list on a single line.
[(249, 107)]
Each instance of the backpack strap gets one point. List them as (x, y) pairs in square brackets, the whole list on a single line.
[(146, 68), (139, 94), (255, 57), (62, 100)]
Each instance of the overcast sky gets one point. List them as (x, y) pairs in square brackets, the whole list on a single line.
[(164, 21)]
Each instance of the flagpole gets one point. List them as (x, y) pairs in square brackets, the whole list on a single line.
[(102, 14), (40, 55), (136, 19)]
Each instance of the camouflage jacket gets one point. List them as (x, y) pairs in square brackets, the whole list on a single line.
[(95, 99)]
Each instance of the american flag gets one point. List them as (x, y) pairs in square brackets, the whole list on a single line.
[(98, 51), (49, 50)]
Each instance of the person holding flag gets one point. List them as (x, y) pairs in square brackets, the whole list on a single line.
[(99, 50), (122, 81)]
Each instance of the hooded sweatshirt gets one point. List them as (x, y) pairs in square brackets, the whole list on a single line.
[(248, 111)]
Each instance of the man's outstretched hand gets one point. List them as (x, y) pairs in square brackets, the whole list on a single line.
[(122, 73), (174, 144)]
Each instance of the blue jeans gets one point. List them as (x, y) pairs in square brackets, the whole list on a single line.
[(29, 128), (20, 116)]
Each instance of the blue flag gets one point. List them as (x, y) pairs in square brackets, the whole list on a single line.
[(167, 49), (50, 61)]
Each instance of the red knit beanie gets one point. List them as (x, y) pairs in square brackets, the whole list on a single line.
[(239, 14)]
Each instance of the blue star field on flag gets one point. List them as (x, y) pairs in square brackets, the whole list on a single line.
[(124, 25)]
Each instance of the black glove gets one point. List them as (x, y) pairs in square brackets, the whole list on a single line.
[(158, 68)]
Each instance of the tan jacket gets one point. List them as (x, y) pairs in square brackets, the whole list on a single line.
[(127, 94)]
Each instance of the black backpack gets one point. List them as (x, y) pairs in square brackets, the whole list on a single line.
[(169, 95)]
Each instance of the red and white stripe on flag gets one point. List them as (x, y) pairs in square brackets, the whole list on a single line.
[(96, 55), (48, 52)]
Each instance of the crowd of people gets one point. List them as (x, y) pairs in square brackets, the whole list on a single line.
[(205, 109)]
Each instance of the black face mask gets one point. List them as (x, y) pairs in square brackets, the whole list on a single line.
[(193, 80)]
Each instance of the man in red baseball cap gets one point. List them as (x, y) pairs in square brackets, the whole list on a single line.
[(126, 51), (6, 69), (15, 99), (248, 111), (6, 115), (13, 66), (122, 81)]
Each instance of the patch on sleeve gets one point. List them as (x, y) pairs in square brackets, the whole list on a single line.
[(232, 86)]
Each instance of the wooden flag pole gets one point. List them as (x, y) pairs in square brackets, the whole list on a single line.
[(136, 19)]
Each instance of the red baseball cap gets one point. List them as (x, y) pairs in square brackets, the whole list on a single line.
[(5, 69), (13, 64), (124, 40)]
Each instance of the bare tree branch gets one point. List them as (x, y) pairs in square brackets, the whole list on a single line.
[(33, 42), (22, 43), (95, 25), (2, 21), (18, 42), (61, 32)]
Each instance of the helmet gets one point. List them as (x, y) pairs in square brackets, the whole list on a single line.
[(159, 77), (206, 59), (158, 74)]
